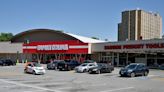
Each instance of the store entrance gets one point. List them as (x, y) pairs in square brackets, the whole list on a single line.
[(46, 58)]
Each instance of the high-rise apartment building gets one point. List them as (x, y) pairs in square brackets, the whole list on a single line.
[(139, 24)]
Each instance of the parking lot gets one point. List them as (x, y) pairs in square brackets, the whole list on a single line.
[(13, 79)]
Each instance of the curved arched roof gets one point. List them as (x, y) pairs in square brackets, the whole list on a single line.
[(50, 35), (85, 39)]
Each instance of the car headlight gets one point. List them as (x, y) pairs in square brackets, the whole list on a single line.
[(36, 68), (82, 68), (95, 69), (130, 70)]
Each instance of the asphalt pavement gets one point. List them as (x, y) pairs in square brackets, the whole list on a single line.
[(13, 79)]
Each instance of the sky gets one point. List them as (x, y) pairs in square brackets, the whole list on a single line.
[(90, 18)]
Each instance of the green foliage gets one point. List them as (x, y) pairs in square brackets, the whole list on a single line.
[(5, 36), (106, 39), (156, 38)]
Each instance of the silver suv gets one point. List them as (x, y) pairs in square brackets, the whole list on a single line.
[(85, 67)]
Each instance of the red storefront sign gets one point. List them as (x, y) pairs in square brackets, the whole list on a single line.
[(65, 47), (135, 46)]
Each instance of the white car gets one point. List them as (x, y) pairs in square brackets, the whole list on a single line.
[(85, 67), (34, 68)]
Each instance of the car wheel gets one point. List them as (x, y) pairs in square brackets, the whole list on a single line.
[(55, 68), (98, 71), (85, 70), (132, 74), (110, 71), (145, 73), (60, 69), (25, 71), (89, 71), (34, 73), (69, 68)]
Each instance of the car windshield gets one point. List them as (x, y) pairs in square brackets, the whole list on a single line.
[(62, 62), (54, 62), (100, 65), (37, 65), (83, 65), (131, 66), (89, 61)]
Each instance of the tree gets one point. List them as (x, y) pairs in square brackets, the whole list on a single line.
[(106, 39), (95, 38), (156, 38), (5, 36)]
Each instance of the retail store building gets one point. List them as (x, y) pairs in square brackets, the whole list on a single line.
[(46, 44), (150, 52)]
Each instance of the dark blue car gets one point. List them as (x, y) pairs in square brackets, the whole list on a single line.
[(134, 69), (161, 67)]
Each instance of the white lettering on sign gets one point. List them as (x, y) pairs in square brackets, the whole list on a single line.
[(53, 47)]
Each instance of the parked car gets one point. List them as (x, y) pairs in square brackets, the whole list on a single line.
[(7, 62), (68, 64), (101, 68), (34, 68), (161, 67), (53, 65), (85, 67), (89, 61), (1, 62), (134, 69), (10, 62)]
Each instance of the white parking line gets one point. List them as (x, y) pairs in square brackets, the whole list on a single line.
[(31, 86), (153, 75), (35, 91), (7, 86), (65, 88), (112, 90), (42, 84)]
